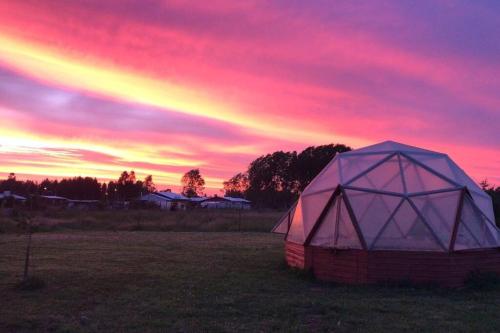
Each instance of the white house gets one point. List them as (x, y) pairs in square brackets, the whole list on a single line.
[(167, 200)]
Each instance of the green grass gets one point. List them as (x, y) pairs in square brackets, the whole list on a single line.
[(217, 281), (146, 220)]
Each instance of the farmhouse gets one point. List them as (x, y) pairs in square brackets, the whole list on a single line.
[(167, 200), (392, 212), (226, 203)]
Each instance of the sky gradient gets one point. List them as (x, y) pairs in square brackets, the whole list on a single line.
[(93, 88)]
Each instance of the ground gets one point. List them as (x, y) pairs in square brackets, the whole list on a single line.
[(208, 281)]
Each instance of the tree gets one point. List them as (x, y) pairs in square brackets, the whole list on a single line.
[(48, 187), (112, 191), (236, 186), (104, 192), (494, 193), (272, 180), (11, 184), (80, 188), (313, 159), (193, 183), (127, 186), (149, 185), (485, 185)]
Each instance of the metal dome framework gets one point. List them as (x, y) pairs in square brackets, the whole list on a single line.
[(392, 196)]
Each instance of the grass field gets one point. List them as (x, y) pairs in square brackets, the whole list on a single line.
[(211, 281), (145, 220)]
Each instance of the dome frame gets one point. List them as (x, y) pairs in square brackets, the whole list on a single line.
[(411, 180)]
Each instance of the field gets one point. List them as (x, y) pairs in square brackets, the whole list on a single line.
[(146, 281), (143, 220)]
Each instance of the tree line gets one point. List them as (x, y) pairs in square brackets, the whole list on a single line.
[(126, 187), (273, 180)]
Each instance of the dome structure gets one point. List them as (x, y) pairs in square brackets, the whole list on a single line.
[(395, 197), (392, 212)]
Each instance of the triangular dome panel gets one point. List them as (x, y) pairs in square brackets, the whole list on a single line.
[(282, 226), (372, 210), (347, 236), (325, 235), (336, 229), (284, 223), (406, 231), (384, 177), (474, 229), (328, 178), (296, 232), (353, 166), (465, 239), (418, 179), (312, 207), (440, 212), (438, 162)]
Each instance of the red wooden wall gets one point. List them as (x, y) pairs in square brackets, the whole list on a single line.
[(360, 266)]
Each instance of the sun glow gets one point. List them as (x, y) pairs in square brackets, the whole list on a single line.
[(96, 77)]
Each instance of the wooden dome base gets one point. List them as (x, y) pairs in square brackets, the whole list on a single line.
[(366, 267)]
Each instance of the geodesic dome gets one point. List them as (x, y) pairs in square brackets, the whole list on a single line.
[(391, 196)]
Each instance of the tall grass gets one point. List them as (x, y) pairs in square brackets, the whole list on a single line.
[(149, 220)]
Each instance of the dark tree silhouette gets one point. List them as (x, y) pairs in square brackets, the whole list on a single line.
[(193, 183), (236, 186), (272, 179), (485, 185), (112, 191), (276, 180), (128, 187), (48, 187), (149, 185), (312, 160), (81, 188), (494, 193)]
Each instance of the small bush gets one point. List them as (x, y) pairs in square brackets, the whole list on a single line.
[(31, 283), (478, 280)]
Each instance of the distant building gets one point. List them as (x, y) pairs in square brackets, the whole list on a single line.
[(53, 201), (7, 198), (195, 202), (84, 204), (226, 203), (167, 200)]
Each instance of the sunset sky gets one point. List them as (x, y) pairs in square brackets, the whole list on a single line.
[(93, 88)]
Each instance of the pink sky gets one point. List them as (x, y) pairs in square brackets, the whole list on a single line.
[(92, 88)]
